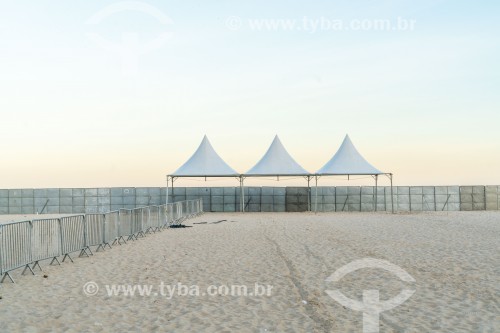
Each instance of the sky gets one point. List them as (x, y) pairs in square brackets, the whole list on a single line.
[(121, 93)]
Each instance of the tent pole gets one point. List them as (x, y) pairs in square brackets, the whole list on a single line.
[(392, 196), (243, 192), (376, 191), (308, 193), (242, 195), (316, 195), (166, 201), (173, 197)]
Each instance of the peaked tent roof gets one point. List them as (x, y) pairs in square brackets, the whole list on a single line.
[(277, 162), (348, 161), (205, 162)]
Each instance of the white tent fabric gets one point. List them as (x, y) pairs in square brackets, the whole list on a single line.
[(348, 161), (277, 162), (205, 162)]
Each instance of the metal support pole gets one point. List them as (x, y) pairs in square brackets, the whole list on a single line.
[(173, 197), (242, 195), (316, 195), (308, 193), (166, 200), (392, 196), (376, 191), (435, 203)]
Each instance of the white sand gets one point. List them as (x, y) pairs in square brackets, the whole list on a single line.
[(454, 258)]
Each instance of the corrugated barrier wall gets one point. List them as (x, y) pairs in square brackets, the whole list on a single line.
[(265, 199)]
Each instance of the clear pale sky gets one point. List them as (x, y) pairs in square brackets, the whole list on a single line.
[(80, 109)]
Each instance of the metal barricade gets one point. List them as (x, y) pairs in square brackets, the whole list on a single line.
[(146, 219), (94, 230), (178, 213), (137, 223), (73, 235), (184, 205), (112, 228), (162, 216), (125, 224), (196, 206), (23, 243), (200, 206), (45, 241), (15, 247), (189, 208), (154, 218), (1, 251), (170, 214)]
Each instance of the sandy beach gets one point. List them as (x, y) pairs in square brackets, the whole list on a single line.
[(453, 257)]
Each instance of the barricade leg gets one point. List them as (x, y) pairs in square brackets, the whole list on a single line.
[(27, 267), (84, 252), (37, 263), (118, 240), (67, 255), (7, 275), (57, 260)]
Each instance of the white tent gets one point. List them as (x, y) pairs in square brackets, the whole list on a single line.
[(348, 161), (205, 162), (277, 162)]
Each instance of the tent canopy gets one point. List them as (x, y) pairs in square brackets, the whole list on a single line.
[(205, 162), (348, 161), (277, 162)]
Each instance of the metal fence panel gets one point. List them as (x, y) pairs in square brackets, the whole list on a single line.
[(94, 229), (72, 233), (22, 243), (146, 218), (154, 217), (170, 214), (15, 245), (185, 208), (137, 220), (191, 210), (45, 239), (162, 216), (125, 222), (1, 250), (111, 227), (179, 211)]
